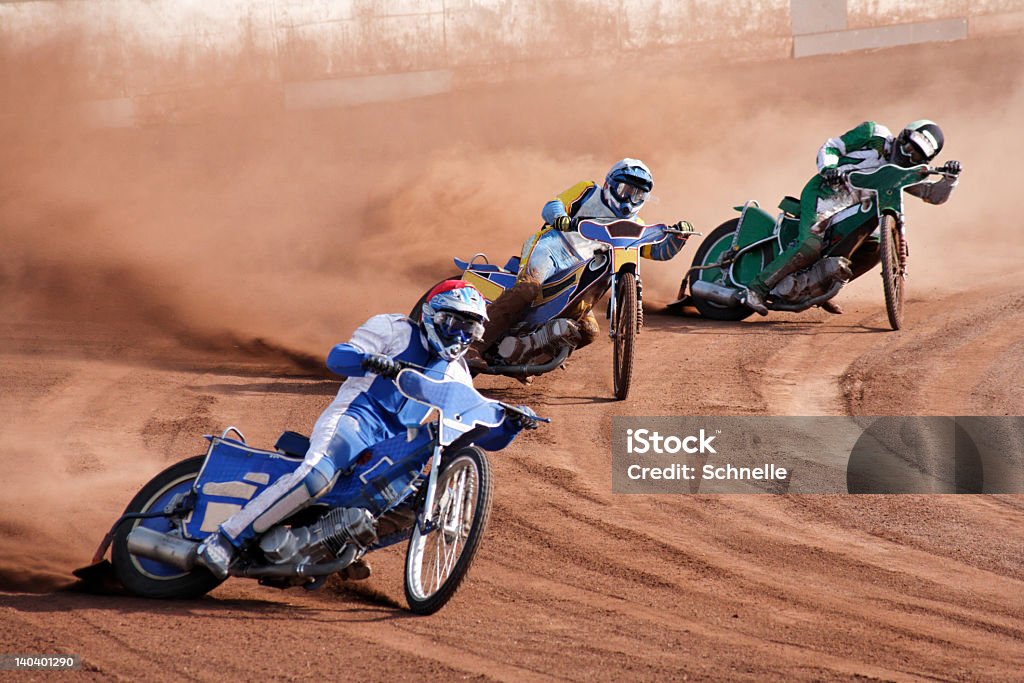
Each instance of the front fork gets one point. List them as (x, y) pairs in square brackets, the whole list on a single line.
[(904, 252), (426, 521), (613, 304)]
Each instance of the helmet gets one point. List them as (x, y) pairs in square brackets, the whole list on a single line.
[(626, 187), (918, 143), (454, 313)]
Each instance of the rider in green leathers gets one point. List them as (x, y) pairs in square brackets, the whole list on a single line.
[(866, 147)]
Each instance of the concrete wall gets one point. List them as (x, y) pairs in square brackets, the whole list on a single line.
[(828, 26), (146, 60)]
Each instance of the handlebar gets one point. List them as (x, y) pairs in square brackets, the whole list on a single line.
[(515, 409), (406, 365), (939, 170), (688, 233)]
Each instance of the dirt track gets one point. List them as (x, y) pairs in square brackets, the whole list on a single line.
[(115, 357)]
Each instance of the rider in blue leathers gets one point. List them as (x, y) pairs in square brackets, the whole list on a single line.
[(366, 409)]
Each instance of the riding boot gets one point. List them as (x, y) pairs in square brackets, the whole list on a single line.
[(589, 329), (865, 258), (807, 253), (506, 311)]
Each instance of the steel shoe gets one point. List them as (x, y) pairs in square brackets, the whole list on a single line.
[(832, 307), (753, 301), (216, 554)]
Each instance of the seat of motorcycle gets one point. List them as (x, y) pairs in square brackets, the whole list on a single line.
[(512, 266), (790, 205), (293, 444)]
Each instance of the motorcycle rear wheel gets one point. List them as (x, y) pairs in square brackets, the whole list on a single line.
[(437, 561), (626, 324), (710, 251), (149, 578), (893, 278)]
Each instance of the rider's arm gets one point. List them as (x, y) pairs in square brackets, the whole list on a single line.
[(498, 438), (664, 250), (568, 202), (934, 193), (862, 147), (376, 335)]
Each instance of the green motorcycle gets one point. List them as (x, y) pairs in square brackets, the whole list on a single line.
[(736, 251)]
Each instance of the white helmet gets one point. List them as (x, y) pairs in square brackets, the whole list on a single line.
[(454, 313), (626, 187)]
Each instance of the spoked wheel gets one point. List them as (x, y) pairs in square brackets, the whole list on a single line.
[(893, 277), (626, 323), (437, 561), (146, 577), (709, 252)]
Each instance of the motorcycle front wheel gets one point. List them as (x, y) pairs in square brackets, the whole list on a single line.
[(437, 560), (149, 578), (893, 278), (627, 320)]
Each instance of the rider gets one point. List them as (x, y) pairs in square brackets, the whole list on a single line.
[(626, 188), (365, 411), (866, 147)]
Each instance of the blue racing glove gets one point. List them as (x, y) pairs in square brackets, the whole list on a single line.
[(383, 366), (521, 421)]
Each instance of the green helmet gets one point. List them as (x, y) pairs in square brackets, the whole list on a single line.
[(918, 143)]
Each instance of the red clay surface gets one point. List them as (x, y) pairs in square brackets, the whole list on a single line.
[(163, 283)]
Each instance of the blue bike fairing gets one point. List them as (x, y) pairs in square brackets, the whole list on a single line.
[(235, 473), (632, 234), (462, 406)]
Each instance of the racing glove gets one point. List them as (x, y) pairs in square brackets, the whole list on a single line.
[(520, 421), (832, 175), (683, 226), (382, 366), (562, 223), (952, 168)]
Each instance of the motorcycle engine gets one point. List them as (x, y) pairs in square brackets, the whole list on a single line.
[(322, 540), (813, 281)]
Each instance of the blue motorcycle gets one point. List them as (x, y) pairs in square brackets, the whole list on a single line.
[(430, 486)]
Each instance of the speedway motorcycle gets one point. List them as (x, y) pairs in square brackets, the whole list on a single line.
[(430, 486), (736, 251), (595, 258)]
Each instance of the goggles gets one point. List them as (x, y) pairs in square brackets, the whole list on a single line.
[(452, 326), (624, 192), (919, 147)]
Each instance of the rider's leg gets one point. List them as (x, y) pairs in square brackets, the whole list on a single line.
[(289, 494), (508, 308), (866, 257), (589, 329), (803, 250)]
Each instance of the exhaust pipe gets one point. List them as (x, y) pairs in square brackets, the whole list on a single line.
[(717, 294), (154, 545)]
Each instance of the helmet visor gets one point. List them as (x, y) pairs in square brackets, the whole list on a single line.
[(455, 327), (919, 147), (912, 153), (624, 192)]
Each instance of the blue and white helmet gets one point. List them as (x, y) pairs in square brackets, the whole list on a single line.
[(626, 187), (454, 313)]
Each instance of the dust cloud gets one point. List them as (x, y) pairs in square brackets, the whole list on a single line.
[(278, 232)]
